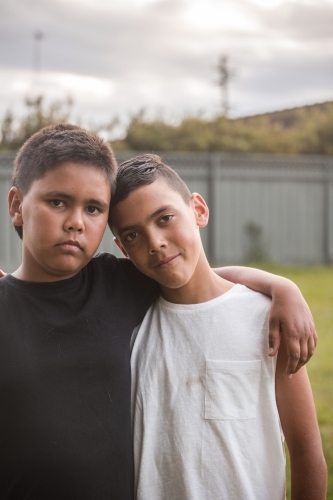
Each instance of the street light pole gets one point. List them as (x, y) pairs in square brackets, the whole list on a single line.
[(37, 56), (223, 83)]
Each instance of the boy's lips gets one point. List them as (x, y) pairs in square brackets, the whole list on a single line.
[(70, 245), (167, 261)]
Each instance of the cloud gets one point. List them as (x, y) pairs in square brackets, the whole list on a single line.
[(125, 54), (305, 21)]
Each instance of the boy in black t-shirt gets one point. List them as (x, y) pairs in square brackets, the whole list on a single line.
[(65, 327)]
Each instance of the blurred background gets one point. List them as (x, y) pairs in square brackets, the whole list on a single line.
[(236, 95)]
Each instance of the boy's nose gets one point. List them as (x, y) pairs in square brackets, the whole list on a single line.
[(156, 243), (74, 223), (75, 227)]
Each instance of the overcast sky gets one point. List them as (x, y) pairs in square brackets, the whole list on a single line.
[(118, 56)]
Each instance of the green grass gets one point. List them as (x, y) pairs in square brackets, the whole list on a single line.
[(316, 284)]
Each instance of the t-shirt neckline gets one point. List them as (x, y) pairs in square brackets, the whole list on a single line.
[(201, 305), (35, 287)]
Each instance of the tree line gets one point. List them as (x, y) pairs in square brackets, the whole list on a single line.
[(303, 130)]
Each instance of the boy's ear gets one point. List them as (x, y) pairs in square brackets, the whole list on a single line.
[(201, 209), (120, 246), (15, 198)]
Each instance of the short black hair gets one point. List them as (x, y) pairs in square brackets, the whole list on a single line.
[(57, 144), (143, 170)]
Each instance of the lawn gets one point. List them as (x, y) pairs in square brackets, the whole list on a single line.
[(316, 285)]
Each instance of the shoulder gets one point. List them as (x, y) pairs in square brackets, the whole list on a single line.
[(3, 285), (109, 266), (111, 263), (104, 261), (122, 272), (250, 298), (9, 284)]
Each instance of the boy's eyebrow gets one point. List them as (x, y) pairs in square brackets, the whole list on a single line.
[(66, 196), (157, 212), (149, 219)]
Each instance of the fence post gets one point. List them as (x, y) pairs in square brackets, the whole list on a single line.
[(326, 215), (212, 173)]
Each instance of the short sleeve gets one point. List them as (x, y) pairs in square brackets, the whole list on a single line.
[(144, 290)]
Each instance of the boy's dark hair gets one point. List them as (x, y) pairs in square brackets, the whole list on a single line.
[(57, 144), (143, 170)]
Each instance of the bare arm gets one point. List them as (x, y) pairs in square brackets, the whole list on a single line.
[(290, 315), (299, 423)]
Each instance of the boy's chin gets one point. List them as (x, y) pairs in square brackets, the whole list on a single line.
[(170, 280), (173, 284), (68, 269)]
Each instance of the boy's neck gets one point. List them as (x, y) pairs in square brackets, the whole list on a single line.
[(23, 273), (204, 285)]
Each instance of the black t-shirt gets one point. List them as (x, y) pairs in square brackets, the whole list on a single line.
[(65, 427)]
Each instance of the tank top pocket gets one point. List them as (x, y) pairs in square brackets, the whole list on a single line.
[(231, 389)]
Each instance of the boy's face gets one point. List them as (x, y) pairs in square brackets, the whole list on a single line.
[(63, 215), (159, 232)]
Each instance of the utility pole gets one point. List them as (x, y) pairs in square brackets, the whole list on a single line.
[(37, 56), (224, 77)]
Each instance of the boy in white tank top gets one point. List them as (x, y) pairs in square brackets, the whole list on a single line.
[(207, 401)]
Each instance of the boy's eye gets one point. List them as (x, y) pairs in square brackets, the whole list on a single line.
[(93, 210), (57, 203), (131, 236), (166, 218)]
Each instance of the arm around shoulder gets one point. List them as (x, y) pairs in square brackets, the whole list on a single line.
[(300, 427)]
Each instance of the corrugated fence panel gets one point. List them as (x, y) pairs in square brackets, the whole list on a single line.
[(274, 207), (286, 214), (330, 219), (10, 243)]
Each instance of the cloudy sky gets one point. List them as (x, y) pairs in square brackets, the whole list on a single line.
[(115, 57)]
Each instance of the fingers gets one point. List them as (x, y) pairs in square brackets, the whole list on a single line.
[(304, 356), (313, 337), (294, 353), (300, 347), (274, 336), (307, 349), (312, 343), (296, 327), (2, 273)]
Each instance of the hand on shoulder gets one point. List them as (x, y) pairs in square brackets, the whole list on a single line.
[(291, 317)]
